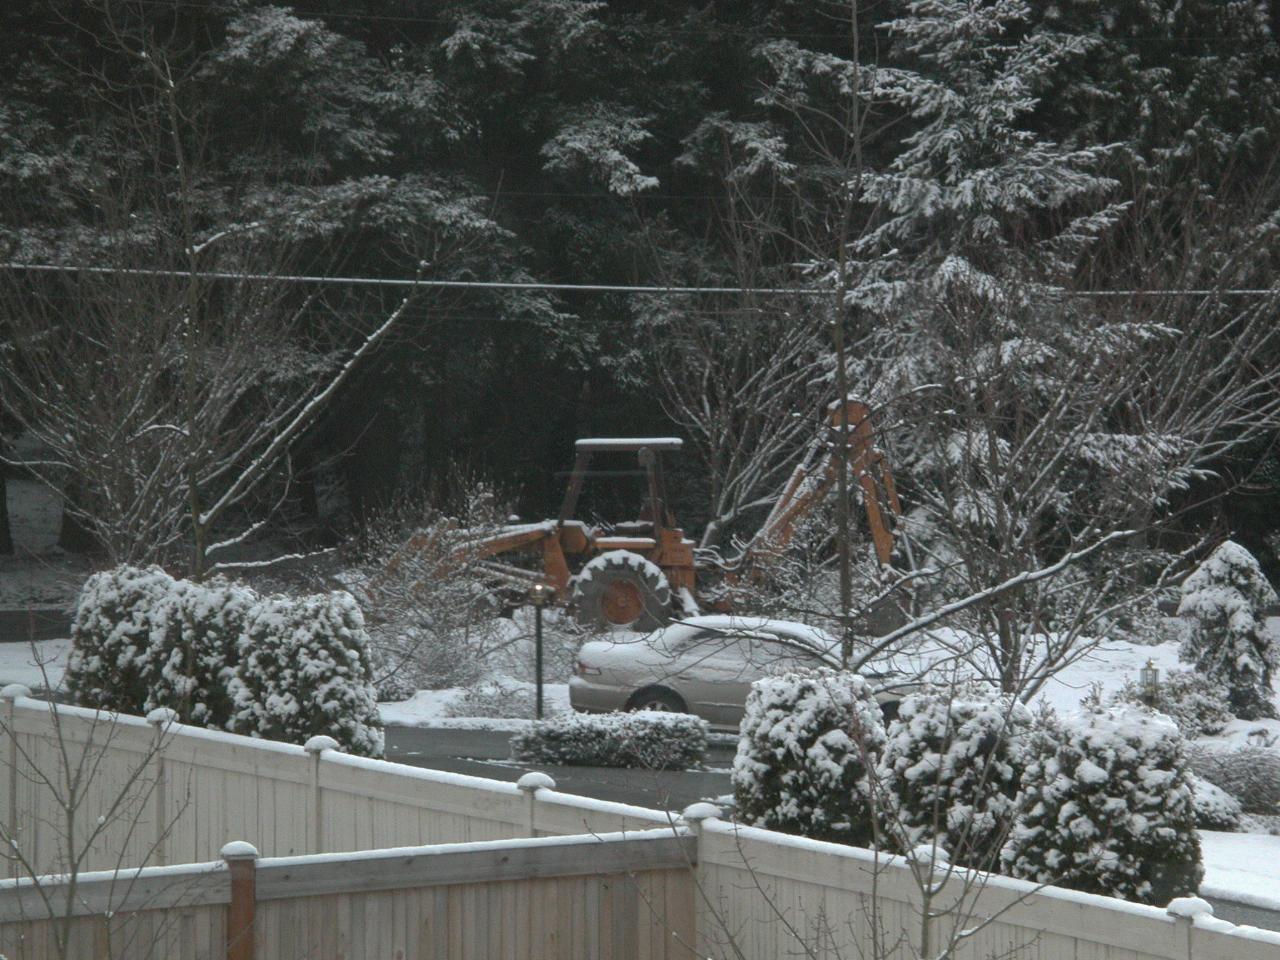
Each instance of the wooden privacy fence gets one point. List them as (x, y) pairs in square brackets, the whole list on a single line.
[(766, 895), (155, 792), (152, 791), (628, 897)]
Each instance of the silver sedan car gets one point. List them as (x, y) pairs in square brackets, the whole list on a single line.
[(702, 665)]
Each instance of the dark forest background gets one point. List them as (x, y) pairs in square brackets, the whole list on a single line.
[(559, 141)]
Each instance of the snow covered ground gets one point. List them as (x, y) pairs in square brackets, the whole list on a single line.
[(1244, 867), (437, 708), (38, 666), (1109, 666)]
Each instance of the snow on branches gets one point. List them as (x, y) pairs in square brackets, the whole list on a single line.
[(804, 763), (1227, 596), (1109, 809)]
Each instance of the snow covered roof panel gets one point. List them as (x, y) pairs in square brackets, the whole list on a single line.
[(624, 444), (801, 632)]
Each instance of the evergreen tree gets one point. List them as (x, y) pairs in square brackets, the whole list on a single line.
[(952, 770), (302, 670), (1227, 598)]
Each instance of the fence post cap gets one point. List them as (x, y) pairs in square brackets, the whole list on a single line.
[(12, 691), (239, 850), (1189, 907), (162, 716), (320, 743), (697, 812), (534, 781), (930, 855)]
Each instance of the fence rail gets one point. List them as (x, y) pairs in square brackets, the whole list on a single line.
[(449, 869), (630, 893)]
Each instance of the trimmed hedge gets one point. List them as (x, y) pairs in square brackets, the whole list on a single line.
[(121, 619), (810, 742), (302, 670), (1110, 810), (225, 658), (646, 739), (197, 655), (952, 771)]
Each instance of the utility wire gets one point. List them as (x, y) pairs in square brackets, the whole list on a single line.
[(577, 287), (666, 28)]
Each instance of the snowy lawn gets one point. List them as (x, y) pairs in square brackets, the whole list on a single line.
[(435, 708), (1244, 867), (1109, 666), (38, 666)]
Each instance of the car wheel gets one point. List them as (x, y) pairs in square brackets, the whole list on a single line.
[(657, 698)]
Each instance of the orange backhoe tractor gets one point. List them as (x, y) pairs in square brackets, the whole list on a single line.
[(634, 574)]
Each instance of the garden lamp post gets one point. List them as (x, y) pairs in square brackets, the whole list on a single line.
[(1149, 677), (541, 595)]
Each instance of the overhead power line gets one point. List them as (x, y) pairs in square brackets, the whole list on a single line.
[(402, 282), (668, 28)]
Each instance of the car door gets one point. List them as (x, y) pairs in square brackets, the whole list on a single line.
[(708, 668), (765, 656), (717, 669)]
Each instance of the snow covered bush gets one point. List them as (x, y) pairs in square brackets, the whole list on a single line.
[(646, 739), (952, 771), (223, 657), (142, 639), (1226, 596), (1215, 808), (303, 671), (195, 649), (1110, 810), (119, 617), (1196, 702), (432, 610), (1250, 774), (806, 756), (496, 697)]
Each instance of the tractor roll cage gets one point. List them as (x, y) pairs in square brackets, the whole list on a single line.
[(646, 450)]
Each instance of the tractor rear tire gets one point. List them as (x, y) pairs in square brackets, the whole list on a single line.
[(621, 590)]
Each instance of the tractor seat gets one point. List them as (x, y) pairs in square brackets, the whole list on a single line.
[(633, 528)]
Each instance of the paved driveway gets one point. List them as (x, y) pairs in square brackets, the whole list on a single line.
[(486, 753)]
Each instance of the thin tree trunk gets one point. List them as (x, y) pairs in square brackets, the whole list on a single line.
[(6, 531), (74, 536)]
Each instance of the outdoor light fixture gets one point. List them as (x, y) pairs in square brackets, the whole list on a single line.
[(539, 595), (1149, 677)]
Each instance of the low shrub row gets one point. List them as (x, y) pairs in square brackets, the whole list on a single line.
[(224, 657), (645, 739), (1101, 802), (1250, 774)]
